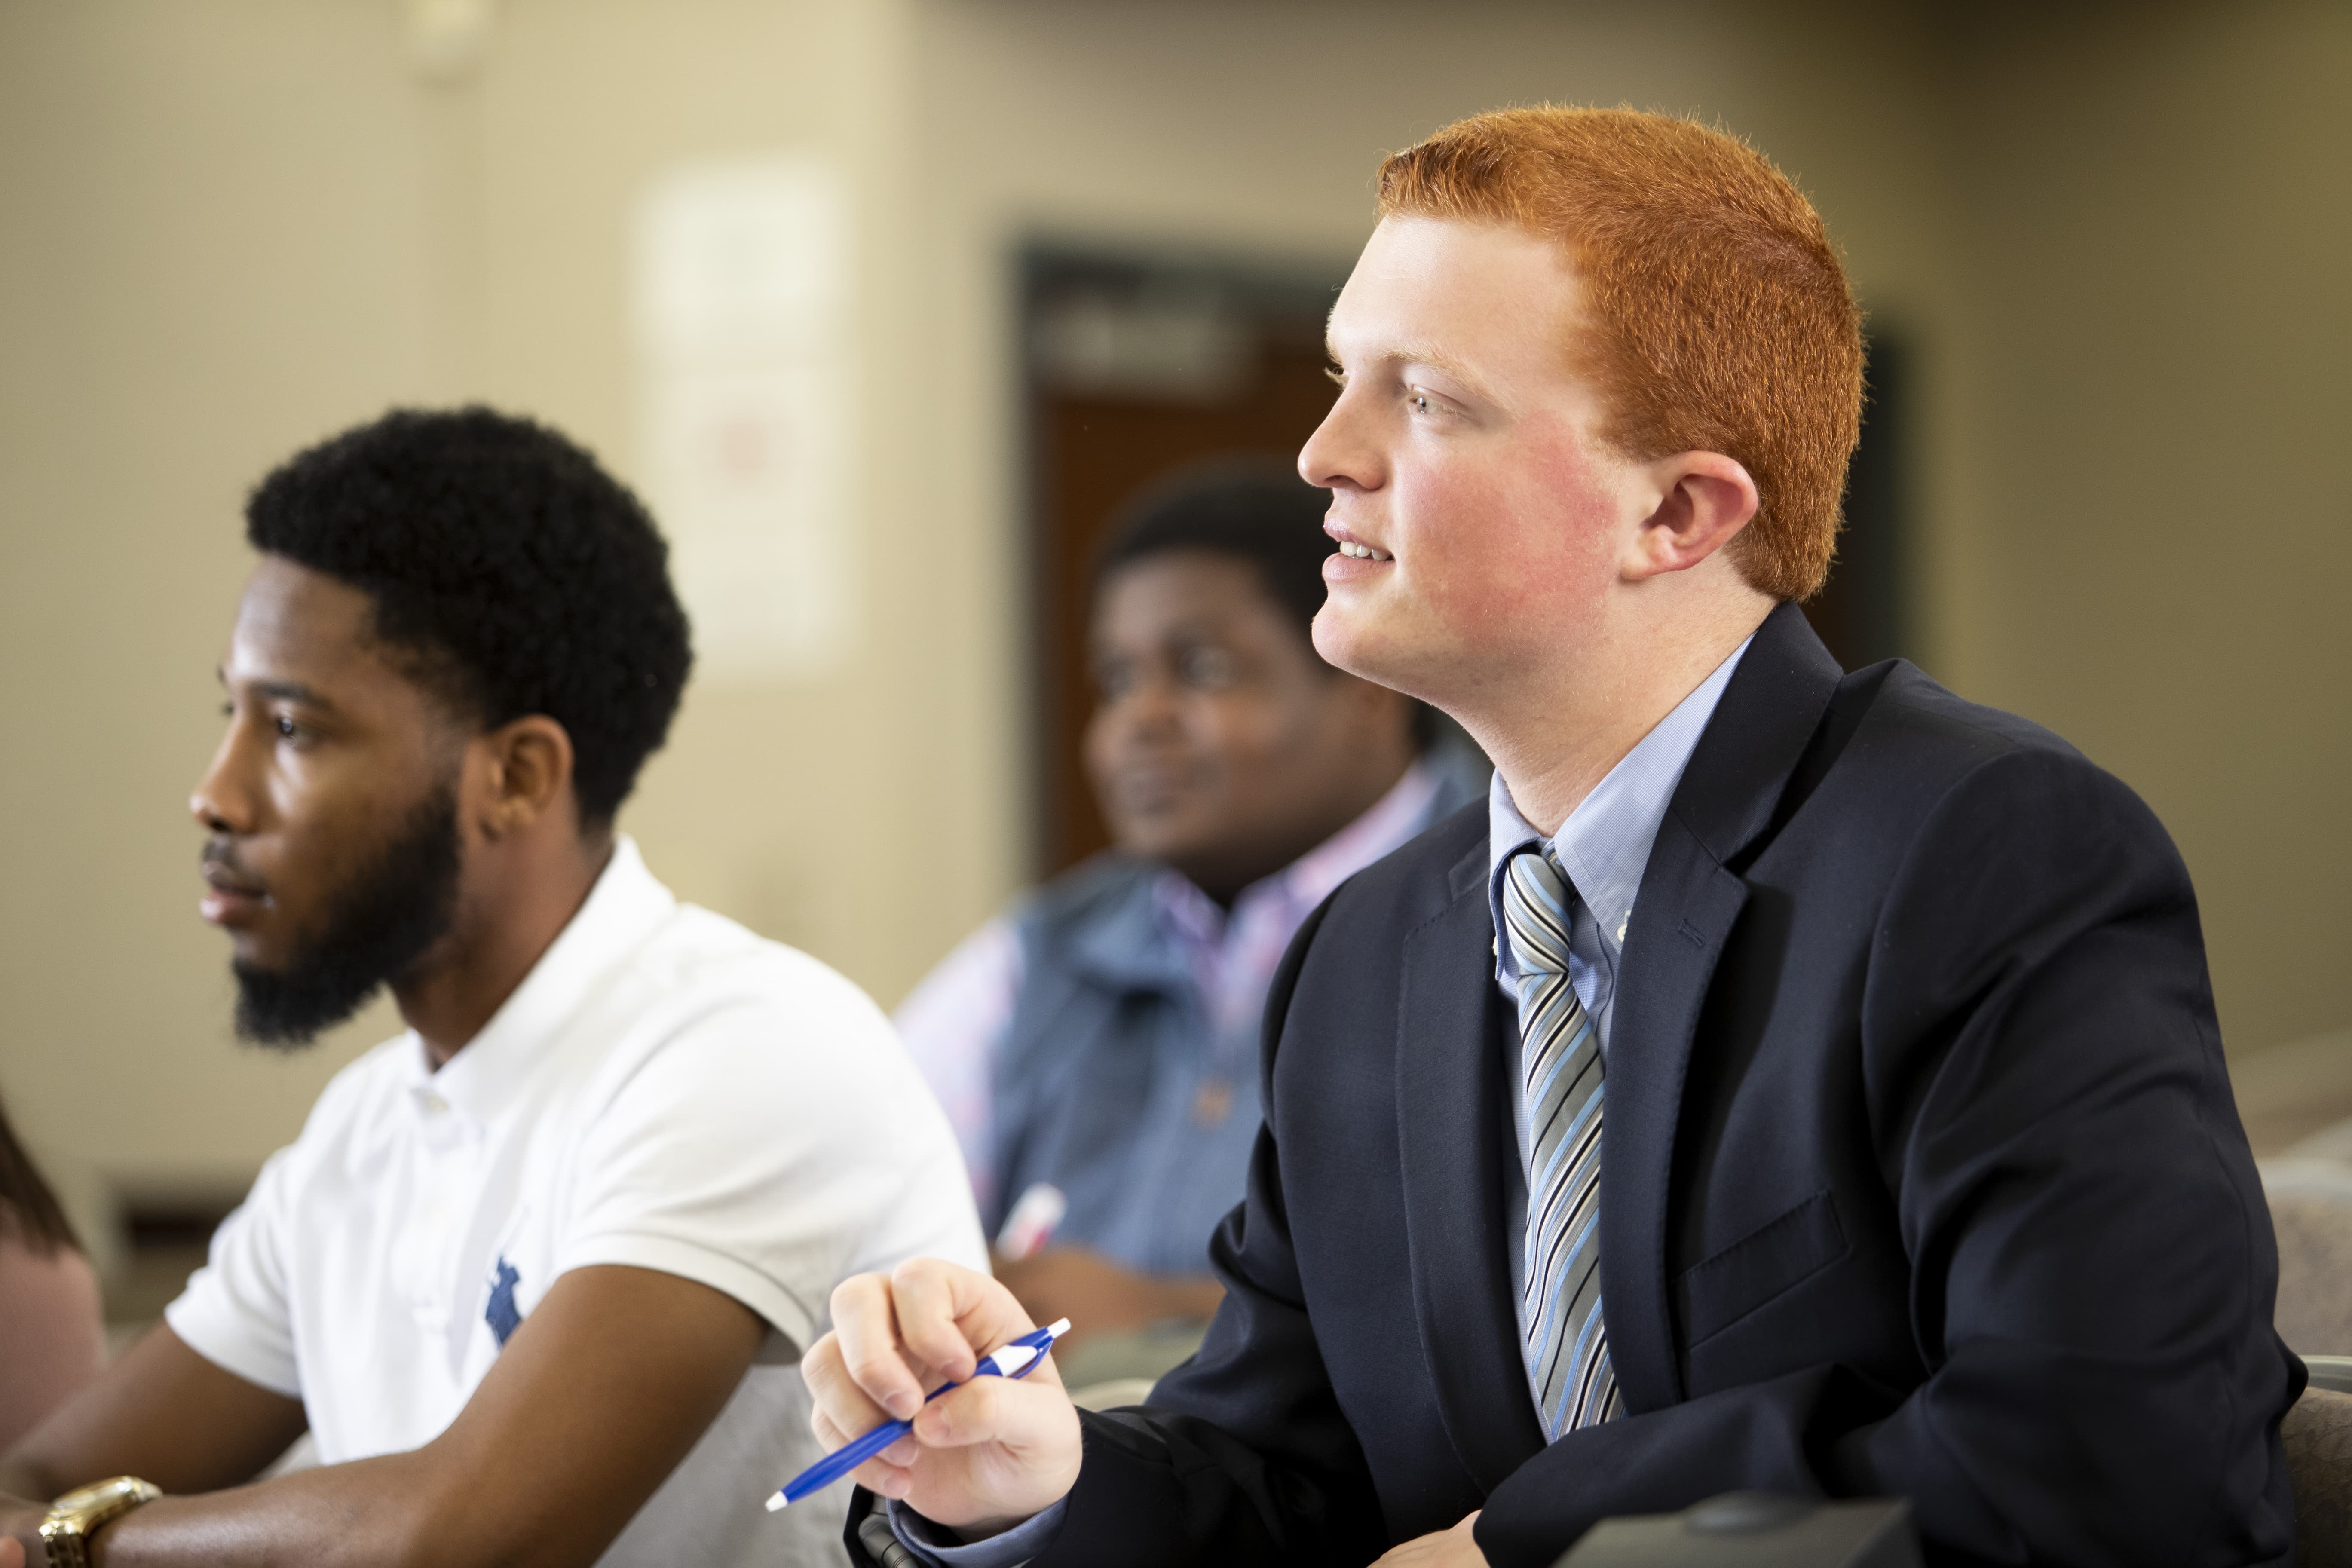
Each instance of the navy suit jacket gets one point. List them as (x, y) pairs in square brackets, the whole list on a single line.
[(1922, 1176)]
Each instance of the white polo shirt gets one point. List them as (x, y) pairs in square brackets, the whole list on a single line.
[(665, 1089)]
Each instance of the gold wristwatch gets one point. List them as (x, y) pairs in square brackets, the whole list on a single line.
[(76, 1516)]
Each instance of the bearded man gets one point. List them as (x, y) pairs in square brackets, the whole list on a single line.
[(535, 1275)]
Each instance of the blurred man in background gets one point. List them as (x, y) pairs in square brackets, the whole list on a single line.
[(535, 1272), (1097, 1048)]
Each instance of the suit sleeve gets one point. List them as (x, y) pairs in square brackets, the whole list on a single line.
[(1243, 1456), (2092, 1263)]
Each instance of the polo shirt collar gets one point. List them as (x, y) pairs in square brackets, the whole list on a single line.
[(625, 907)]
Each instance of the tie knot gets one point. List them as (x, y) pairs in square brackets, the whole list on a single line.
[(1536, 896)]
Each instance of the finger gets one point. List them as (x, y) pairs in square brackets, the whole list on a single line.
[(947, 1315), (829, 1433), (833, 1437), (884, 1478), (835, 1397), (865, 1329), (1022, 1417)]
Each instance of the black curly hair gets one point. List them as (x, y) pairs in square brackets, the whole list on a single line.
[(516, 573), (1260, 513)]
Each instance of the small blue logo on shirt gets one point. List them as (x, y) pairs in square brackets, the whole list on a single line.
[(500, 1313)]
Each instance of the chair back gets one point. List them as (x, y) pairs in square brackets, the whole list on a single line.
[(2311, 1210), (2318, 1437)]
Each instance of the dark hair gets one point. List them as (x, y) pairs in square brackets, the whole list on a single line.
[(522, 578), (1252, 512), (25, 1199), (1258, 513)]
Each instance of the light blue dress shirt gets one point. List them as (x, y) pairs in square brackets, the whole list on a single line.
[(1604, 847)]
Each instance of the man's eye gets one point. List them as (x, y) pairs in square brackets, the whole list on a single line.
[(1113, 682), (287, 729), (1207, 667), (1417, 400)]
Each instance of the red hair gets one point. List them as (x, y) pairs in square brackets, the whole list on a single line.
[(1718, 317)]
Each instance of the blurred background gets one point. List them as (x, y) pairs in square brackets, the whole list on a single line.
[(888, 303)]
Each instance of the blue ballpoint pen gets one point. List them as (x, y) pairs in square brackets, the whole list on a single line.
[(1018, 1358)]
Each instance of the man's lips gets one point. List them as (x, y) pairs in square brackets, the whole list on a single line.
[(1150, 784), (229, 899), (1148, 790), (1353, 546), (1358, 559)]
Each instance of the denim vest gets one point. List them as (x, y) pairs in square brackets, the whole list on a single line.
[(1111, 1080), (1110, 1083)]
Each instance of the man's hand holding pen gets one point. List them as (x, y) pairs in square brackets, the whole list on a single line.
[(983, 1456)]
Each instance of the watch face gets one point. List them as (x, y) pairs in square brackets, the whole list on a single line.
[(90, 1496), (103, 1501)]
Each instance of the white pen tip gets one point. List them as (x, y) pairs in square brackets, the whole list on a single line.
[(777, 1501), (1058, 1327)]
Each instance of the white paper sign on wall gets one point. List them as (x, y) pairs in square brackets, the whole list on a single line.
[(746, 409)]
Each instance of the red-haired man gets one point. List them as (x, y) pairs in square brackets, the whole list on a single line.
[(1789, 1080)]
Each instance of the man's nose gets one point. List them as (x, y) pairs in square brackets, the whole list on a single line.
[(1149, 707), (1336, 455), (222, 801)]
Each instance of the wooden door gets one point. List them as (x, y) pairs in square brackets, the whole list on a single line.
[(1251, 383)]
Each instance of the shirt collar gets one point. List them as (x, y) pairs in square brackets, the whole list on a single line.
[(1395, 818), (620, 911), (1306, 881), (1604, 845)]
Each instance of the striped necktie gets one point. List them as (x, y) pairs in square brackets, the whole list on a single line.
[(1567, 1347)]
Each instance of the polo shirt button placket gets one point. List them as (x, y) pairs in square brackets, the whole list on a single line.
[(430, 1228)]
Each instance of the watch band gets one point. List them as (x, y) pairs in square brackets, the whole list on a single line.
[(74, 1518)]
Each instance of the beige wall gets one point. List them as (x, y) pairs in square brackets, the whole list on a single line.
[(213, 244), (227, 229), (2154, 387), (231, 229)]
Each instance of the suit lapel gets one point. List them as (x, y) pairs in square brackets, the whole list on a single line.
[(1450, 1121), (1685, 913), (1686, 908)]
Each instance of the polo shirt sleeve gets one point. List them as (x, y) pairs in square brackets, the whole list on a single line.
[(233, 1313), (771, 1146)]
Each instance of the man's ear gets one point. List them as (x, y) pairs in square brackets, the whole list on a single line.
[(529, 773), (1704, 499)]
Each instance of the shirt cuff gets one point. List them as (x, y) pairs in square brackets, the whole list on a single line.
[(1012, 1547)]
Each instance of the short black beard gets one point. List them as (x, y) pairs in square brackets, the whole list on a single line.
[(398, 904)]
